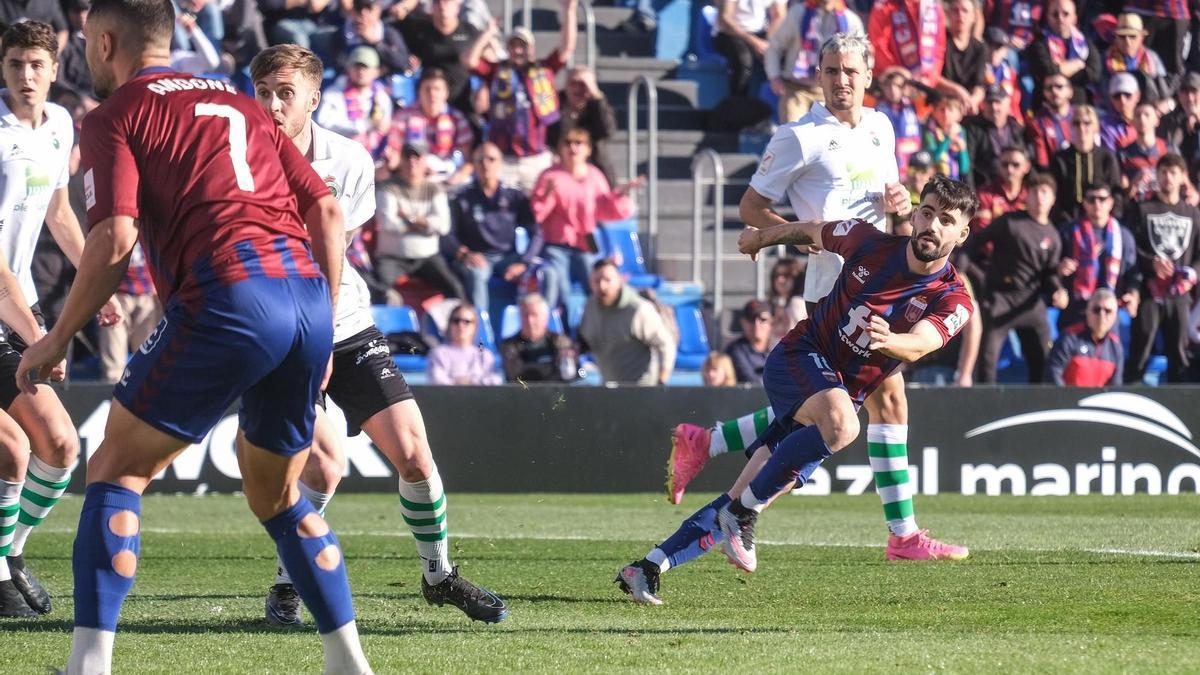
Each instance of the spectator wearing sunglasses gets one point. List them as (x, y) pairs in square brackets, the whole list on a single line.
[(749, 352), (1089, 354)]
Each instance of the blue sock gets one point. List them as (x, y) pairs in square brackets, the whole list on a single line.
[(100, 551), (695, 536), (326, 593), (794, 459)]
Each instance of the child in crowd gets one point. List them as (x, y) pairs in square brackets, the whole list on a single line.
[(946, 141)]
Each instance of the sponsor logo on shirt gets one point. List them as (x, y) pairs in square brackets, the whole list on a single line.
[(956, 321), (843, 228), (1169, 234), (89, 189), (860, 275), (854, 334), (765, 165), (833, 145)]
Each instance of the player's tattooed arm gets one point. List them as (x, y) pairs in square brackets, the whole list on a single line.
[(803, 233)]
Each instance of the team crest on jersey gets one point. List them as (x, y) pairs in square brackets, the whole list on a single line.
[(916, 309), (55, 142), (860, 275), (874, 140), (333, 186), (1169, 234), (765, 165)]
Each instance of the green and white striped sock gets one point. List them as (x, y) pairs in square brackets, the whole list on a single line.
[(736, 435), (423, 506), (10, 496), (44, 486), (887, 448)]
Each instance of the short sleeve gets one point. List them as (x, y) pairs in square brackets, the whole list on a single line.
[(304, 181), (844, 237), (780, 163), (362, 191), (64, 176), (110, 173), (950, 313)]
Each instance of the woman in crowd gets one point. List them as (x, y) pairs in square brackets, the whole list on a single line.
[(717, 371), (785, 297), (460, 360)]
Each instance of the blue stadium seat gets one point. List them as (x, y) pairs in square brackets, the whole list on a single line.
[(398, 320), (486, 337), (620, 240), (693, 338), (510, 322)]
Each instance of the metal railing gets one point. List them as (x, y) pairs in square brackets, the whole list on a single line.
[(699, 183), (651, 189)]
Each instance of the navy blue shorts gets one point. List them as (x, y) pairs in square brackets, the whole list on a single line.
[(793, 373), (265, 340)]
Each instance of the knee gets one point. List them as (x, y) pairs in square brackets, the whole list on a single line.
[(323, 470), (839, 430), (14, 459), (416, 462), (893, 408), (61, 449)]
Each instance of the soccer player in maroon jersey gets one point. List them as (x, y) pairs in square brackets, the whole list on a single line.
[(215, 193), (896, 300)]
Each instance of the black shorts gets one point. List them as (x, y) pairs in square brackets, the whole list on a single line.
[(365, 379), (10, 357)]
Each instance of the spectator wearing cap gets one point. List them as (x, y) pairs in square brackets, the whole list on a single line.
[(1180, 128), (485, 216), (911, 34), (1049, 130), (1084, 162), (1116, 125), (1063, 49), (364, 26), (439, 39), (966, 57), (569, 200), (743, 29), (900, 110), (1098, 253), (1089, 354), (1139, 158), (1016, 19), (584, 105), (357, 105), (300, 23), (794, 53), (523, 100), (624, 332), (1000, 70), (989, 132), (945, 139), (444, 129), (749, 352), (1167, 22), (413, 215), (1129, 54)]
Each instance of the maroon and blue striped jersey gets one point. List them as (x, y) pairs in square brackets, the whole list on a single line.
[(876, 281)]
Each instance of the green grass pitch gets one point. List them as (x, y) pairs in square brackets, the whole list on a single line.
[(1081, 584)]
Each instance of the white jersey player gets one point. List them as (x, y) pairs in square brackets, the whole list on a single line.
[(364, 382)]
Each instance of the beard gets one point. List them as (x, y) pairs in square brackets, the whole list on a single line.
[(927, 250), (834, 103)]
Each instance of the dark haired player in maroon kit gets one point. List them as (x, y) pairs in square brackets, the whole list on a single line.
[(215, 193)]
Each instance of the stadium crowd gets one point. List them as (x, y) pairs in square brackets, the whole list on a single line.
[(1078, 125)]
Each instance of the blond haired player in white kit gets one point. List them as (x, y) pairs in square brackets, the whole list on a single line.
[(364, 382), (836, 162)]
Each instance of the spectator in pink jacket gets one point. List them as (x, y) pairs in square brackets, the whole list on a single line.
[(569, 199)]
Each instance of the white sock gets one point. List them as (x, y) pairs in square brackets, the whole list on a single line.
[(751, 502), (343, 652), (10, 508), (91, 652), (319, 501), (660, 559), (46, 484), (423, 507), (716, 441)]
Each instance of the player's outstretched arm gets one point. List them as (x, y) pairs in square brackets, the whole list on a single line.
[(67, 233), (14, 308), (803, 233), (908, 347), (326, 228), (101, 268)]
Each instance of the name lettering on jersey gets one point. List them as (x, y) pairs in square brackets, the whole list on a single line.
[(168, 85), (765, 165), (843, 228), (916, 309), (860, 275), (957, 320), (854, 334)]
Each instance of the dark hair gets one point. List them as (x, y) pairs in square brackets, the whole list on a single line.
[(1172, 159), (432, 74), (30, 35), (1015, 148), (464, 305), (1093, 187), (605, 262), (1040, 179), (151, 22), (287, 57), (792, 267), (952, 195)]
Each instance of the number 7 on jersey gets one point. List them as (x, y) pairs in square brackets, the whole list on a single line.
[(237, 140)]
